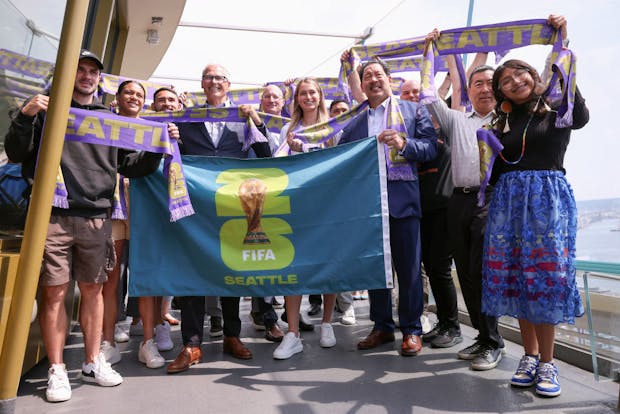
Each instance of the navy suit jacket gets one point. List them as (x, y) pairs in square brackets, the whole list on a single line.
[(195, 140), (403, 196)]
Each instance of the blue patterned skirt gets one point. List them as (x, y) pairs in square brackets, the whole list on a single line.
[(529, 249)]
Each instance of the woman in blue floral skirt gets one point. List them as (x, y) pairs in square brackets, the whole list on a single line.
[(529, 252)]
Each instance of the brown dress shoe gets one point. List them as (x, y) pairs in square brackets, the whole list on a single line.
[(412, 344), (376, 338), (189, 356), (274, 334), (234, 347)]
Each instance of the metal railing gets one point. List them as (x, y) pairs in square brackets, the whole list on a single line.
[(602, 306)]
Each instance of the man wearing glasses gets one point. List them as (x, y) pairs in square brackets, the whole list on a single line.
[(221, 139), (466, 220)]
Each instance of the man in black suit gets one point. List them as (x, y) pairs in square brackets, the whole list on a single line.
[(222, 139)]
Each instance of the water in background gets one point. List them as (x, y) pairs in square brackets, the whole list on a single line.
[(599, 241), (598, 238)]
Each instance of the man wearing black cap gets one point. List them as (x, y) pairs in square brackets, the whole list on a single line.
[(78, 242)]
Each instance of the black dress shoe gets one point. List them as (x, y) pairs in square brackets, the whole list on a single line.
[(315, 309)]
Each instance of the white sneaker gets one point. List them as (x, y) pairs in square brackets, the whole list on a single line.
[(101, 372), (348, 317), (162, 337), (120, 333), (289, 346), (427, 326), (111, 352), (149, 355), (135, 329), (328, 339), (58, 387)]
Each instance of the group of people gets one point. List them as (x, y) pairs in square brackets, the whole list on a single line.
[(514, 255)]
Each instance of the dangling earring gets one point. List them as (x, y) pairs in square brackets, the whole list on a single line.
[(541, 99), (506, 107)]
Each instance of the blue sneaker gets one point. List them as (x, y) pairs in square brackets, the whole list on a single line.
[(526, 372), (547, 383)]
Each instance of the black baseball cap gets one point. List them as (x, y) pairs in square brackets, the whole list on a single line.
[(87, 54)]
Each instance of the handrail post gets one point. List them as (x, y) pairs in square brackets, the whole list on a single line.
[(591, 326), (37, 222)]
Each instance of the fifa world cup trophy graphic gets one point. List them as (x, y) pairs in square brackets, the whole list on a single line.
[(252, 196)]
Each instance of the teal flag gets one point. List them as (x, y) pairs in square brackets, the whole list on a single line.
[(308, 223)]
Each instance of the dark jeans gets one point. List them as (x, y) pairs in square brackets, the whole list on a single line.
[(193, 318), (437, 261), (466, 224)]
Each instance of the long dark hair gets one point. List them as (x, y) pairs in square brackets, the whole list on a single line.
[(536, 103)]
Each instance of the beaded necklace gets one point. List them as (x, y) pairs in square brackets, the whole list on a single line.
[(522, 145), (508, 110)]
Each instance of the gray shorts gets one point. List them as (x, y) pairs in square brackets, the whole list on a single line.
[(77, 247)]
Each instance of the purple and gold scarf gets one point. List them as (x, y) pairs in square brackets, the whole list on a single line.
[(94, 127)]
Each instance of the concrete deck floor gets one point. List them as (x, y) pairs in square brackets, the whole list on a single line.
[(336, 380)]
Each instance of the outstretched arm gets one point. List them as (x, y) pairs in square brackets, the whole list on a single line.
[(354, 80)]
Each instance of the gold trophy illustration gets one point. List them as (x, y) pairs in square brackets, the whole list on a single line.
[(252, 196)]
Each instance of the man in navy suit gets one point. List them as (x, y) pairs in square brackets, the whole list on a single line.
[(221, 139), (419, 145)]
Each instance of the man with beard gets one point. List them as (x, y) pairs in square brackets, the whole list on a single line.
[(78, 243)]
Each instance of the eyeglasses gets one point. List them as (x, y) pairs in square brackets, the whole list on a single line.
[(509, 81), (215, 78)]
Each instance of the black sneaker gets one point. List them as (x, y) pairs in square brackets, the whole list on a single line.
[(216, 327), (487, 359), (432, 334), (447, 337), (471, 352), (315, 309), (275, 303)]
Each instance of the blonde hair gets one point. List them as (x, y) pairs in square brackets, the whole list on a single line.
[(297, 115)]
